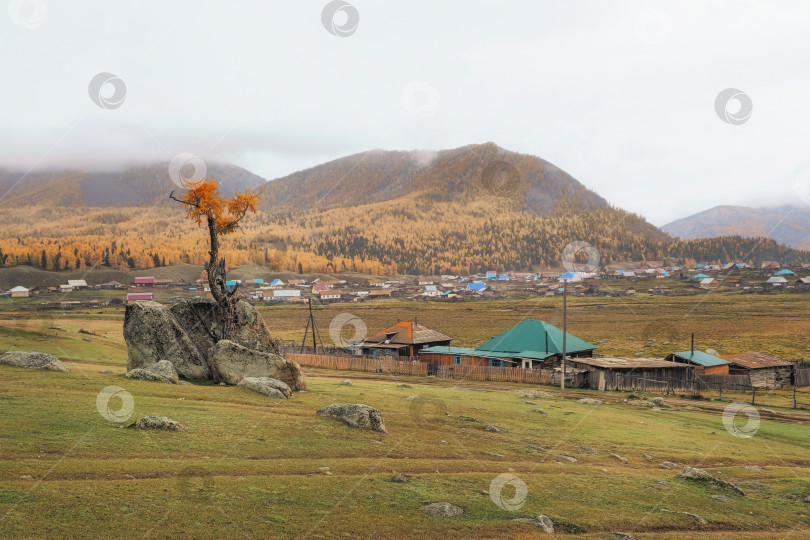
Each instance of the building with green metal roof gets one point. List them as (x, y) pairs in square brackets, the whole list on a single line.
[(704, 363), (530, 343)]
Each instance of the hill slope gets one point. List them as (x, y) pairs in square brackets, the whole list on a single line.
[(785, 224), (132, 186)]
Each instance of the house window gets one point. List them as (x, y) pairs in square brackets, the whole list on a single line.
[(457, 360), (495, 362), (387, 351)]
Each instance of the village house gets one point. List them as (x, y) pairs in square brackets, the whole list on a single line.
[(144, 281), (330, 295), (77, 284), (405, 338), (110, 285), (763, 370), (287, 295), (529, 344), (20, 292), (135, 296), (702, 363)]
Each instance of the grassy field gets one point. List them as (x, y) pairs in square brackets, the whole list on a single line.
[(249, 466)]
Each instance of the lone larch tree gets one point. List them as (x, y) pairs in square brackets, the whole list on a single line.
[(222, 216)]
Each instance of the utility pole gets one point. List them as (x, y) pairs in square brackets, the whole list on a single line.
[(311, 323), (565, 331)]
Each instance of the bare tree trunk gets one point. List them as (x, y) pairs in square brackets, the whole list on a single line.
[(226, 300)]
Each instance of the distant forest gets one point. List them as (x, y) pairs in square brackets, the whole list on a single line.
[(413, 234)]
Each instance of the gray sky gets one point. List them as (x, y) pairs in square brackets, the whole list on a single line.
[(619, 94)]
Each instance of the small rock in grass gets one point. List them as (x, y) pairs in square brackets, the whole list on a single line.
[(414, 398), (404, 386), (323, 468), (569, 459), (756, 468), (540, 411), (701, 520), (443, 509), (401, 478), (106, 372), (345, 382), (620, 458), (668, 465), (273, 388), (722, 498), (585, 449), (355, 415), (492, 428), (699, 475), (807, 499), (647, 457), (185, 383), (542, 522), (34, 360), (589, 401), (530, 403), (622, 536), (26, 477), (158, 422)]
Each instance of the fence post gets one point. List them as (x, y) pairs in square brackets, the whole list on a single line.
[(720, 390), (753, 395), (795, 405)]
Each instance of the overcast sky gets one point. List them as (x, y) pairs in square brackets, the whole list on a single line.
[(619, 94)]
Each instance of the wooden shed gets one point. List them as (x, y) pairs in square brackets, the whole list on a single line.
[(764, 371), (405, 338), (614, 373)]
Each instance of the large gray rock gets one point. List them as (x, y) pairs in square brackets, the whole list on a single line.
[(198, 317), (163, 372), (542, 522), (34, 360), (152, 334), (231, 362), (158, 422), (355, 415), (699, 475), (267, 386)]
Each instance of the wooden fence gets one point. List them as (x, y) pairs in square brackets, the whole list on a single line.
[(500, 374), (381, 364), (801, 376)]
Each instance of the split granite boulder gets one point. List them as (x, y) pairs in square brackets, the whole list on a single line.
[(269, 387), (231, 362), (355, 415), (186, 336), (34, 360)]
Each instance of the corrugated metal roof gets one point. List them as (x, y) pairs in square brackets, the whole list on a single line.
[(408, 333), (627, 363), (441, 349), (755, 360), (530, 335), (700, 358)]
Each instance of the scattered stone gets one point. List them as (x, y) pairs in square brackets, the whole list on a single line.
[(414, 398), (620, 458), (534, 394), (569, 459), (467, 418), (756, 468), (668, 465), (540, 411), (647, 457), (701, 521), (542, 522), (585, 449), (443, 509), (355, 415), (622, 536), (345, 382), (722, 498), (492, 428), (699, 475), (273, 388), (530, 403), (403, 385), (401, 478), (158, 422), (106, 372), (536, 448), (639, 354), (231, 362), (807, 499), (659, 401), (589, 401), (162, 372), (26, 477), (34, 360)]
